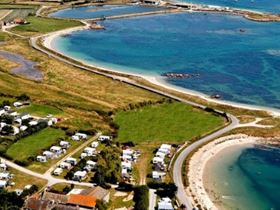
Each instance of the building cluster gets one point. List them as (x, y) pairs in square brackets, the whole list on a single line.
[(5, 176), (13, 123), (128, 157), (70, 162), (76, 199), (159, 161)]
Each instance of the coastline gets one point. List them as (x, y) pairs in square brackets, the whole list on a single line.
[(48, 42), (199, 160)]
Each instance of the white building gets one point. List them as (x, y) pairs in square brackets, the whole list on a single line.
[(104, 138), (160, 154), (65, 165), (33, 122), (75, 138), (48, 154), (158, 160), (41, 158), (18, 104), (2, 111), (94, 144), (158, 175), (81, 135), (90, 165), (56, 149), (126, 165), (23, 128), (3, 167), (72, 161), (3, 183), (83, 155), (5, 176), (64, 144), (90, 151), (57, 171), (79, 175), (165, 204)]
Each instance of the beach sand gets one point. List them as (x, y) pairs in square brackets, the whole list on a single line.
[(197, 165), (49, 42)]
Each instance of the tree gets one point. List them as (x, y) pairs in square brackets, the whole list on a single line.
[(141, 197), (7, 130)]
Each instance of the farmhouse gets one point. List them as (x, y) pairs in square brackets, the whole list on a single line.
[(98, 192), (83, 201)]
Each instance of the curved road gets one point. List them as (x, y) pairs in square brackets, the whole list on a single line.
[(182, 195)]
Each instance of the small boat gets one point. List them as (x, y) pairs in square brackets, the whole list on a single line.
[(242, 30)]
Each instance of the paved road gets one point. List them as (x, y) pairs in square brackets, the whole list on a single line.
[(182, 196)]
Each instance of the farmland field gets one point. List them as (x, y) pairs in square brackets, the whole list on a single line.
[(32, 145), (170, 122)]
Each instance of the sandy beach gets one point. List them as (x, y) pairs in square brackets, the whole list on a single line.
[(48, 42), (199, 160)]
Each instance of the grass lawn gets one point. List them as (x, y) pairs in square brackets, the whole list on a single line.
[(32, 145), (43, 167), (169, 122), (44, 25), (40, 110), (22, 179)]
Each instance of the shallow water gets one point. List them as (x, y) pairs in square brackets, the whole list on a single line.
[(271, 6), (26, 68), (100, 11), (236, 58), (245, 178)]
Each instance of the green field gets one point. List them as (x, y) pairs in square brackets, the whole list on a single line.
[(45, 25), (40, 110), (169, 122), (32, 145)]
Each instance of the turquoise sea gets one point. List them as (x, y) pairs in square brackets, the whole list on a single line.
[(270, 6), (101, 11), (245, 178), (236, 58)]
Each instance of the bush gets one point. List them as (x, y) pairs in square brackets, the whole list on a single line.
[(125, 187), (141, 197), (164, 189), (23, 163), (23, 97)]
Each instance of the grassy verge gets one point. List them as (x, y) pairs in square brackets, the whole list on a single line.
[(21, 180), (34, 144)]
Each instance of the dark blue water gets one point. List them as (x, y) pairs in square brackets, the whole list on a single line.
[(245, 178), (100, 11), (240, 65), (270, 6)]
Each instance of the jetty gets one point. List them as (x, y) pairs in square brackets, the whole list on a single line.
[(167, 10), (179, 75)]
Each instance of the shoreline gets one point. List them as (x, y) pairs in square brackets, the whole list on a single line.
[(199, 160), (48, 42)]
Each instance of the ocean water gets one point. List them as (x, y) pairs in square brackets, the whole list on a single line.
[(236, 58), (100, 11), (245, 178), (270, 6)]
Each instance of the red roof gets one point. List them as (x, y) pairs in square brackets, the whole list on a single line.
[(82, 200)]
